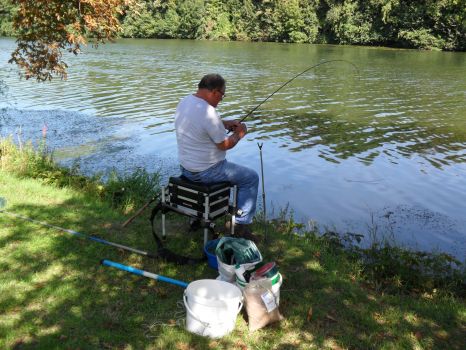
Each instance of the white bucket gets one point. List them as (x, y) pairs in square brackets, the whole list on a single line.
[(212, 307)]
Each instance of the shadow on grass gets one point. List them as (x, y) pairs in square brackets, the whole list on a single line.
[(56, 295), (323, 300)]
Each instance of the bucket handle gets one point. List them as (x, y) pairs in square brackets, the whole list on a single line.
[(205, 324)]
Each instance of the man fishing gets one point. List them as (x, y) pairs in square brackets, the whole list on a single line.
[(202, 145)]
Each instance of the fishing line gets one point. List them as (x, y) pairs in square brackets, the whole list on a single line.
[(289, 81)]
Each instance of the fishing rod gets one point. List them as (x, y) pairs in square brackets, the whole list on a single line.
[(144, 273), (78, 234), (127, 222), (289, 81)]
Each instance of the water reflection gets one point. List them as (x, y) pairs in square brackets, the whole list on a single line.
[(338, 143), (391, 134)]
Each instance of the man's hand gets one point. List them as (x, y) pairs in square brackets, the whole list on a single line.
[(239, 131), (231, 125)]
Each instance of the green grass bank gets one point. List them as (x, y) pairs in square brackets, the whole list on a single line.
[(55, 295)]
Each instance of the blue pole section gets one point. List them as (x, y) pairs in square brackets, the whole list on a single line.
[(143, 273), (79, 234)]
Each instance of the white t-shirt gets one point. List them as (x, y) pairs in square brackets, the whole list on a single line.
[(198, 129)]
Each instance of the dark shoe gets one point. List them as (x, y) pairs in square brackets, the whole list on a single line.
[(238, 228), (244, 231), (194, 224)]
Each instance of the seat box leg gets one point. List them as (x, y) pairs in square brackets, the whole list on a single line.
[(163, 215)]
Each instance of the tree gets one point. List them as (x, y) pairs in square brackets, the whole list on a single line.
[(295, 21), (47, 27), (217, 24), (192, 13), (7, 11)]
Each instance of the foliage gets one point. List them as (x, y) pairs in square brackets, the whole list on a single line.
[(383, 265), (427, 24), (350, 24), (420, 38), (139, 22), (217, 24), (47, 27), (7, 12), (124, 192), (131, 190), (394, 269), (294, 21), (191, 16), (50, 281), (244, 20)]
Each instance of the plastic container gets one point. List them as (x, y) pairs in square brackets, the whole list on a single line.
[(276, 281), (268, 270), (209, 250), (212, 307)]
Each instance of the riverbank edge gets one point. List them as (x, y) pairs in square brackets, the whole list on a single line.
[(321, 275), (381, 46), (383, 260)]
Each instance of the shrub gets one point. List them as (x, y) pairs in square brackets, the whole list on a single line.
[(420, 38), (123, 192)]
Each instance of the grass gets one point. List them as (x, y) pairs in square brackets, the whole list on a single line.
[(123, 192), (55, 295)]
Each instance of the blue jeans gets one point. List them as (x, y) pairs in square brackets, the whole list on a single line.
[(244, 178)]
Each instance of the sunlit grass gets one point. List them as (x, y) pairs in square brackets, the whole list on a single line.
[(54, 293)]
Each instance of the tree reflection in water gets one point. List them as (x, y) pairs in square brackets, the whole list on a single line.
[(394, 135)]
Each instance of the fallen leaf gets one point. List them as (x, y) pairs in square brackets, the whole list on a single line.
[(330, 318), (183, 346), (213, 344), (441, 335), (309, 314), (241, 345)]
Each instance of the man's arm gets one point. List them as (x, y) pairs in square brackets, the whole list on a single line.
[(239, 131)]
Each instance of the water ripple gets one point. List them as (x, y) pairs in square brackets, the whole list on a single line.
[(401, 118)]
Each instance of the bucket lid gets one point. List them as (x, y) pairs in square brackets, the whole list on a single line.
[(213, 290), (267, 270), (273, 280)]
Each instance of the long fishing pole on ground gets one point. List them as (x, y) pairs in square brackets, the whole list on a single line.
[(76, 233), (147, 274), (260, 145)]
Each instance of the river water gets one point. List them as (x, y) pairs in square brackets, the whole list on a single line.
[(380, 148)]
